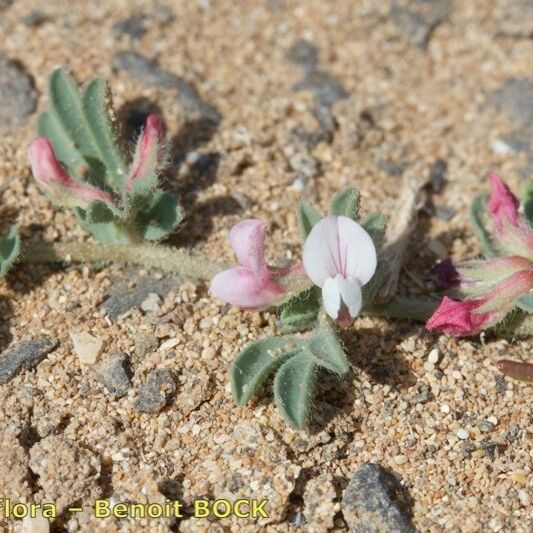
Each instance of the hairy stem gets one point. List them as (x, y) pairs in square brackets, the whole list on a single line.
[(404, 307), (146, 255)]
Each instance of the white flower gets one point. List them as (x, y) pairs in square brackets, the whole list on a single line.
[(340, 257)]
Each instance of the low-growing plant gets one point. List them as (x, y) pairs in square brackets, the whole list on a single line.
[(339, 276), (9, 249), (81, 163)]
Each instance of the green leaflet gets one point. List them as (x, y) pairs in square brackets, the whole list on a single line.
[(526, 303), (255, 363), (478, 210), (327, 351), (301, 312), (308, 216), (346, 203), (293, 388), (9, 249), (528, 200)]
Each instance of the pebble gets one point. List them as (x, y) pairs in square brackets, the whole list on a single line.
[(445, 408), (462, 433), (18, 97), (524, 498), (515, 97), (87, 348), (37, 524), (298, 184), (112, 374), (25, 354), (304, 164), (156, 391), (169, 344), (134, 26), (374, 501), (400, 459), (433, 356), (151, 303)]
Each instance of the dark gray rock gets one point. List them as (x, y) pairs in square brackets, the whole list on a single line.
[(390, 168), (515, 97), (417, 19), (18, 97), (375, 502), (148, 71), (35, 19), (304, 54), (437, 175), (326, 88), (122, 296), (156, 392), (111, 373), (421, 397), (25, 354), (134, 26)]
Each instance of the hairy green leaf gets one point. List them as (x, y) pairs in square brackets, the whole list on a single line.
[(161, 218), (293, 389), (9, 249), (528, 200), (478, 210), (375, 224), (327, 350), (256, 362), (301, 311), (308, 216), (346, 203)]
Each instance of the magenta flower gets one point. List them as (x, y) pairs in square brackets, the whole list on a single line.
[(251, 284), (340, 257), (53, 178), (491, 287), (149, 153)]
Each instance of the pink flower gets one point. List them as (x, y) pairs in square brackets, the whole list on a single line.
[(54, 179), (503, 204), (458, 318), (471, 316), (149, 152), (250, 285), (340, 257)]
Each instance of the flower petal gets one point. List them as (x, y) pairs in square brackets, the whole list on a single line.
[(331, 297), (458, 318), (55, 180), (239, 286), (351, 294), (503, 204), (339, 245), (247, 238)]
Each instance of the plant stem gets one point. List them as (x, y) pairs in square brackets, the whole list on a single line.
[(146, 255), (404, 307)]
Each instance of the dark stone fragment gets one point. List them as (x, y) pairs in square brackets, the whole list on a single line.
[(392, 169), (501, 384), (422, 397), (133, 26), (35, 19), (445, 213), (304, 54), (326, 88), (156, 392), (122, 297), (437, 175), (111, 373), (148, 71), (417, 19), (375, 502), (25, 354), (18, 97)]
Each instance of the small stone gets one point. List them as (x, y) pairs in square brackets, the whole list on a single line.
[(433, 356), (133, 26), (400, 459), (515, 97), (501, 147), (445, 408), (519, 476), (298, 184), (429, 366), (304, 164), (18, 97), (25, 354), (422, 397), (417, 19), (156, 391), (37, 524), (524, 498), (437, 175), (319, 503), (112, 374), (374, 501), (485, 426), (35, 18), (304, 54), (151, 303), (514, 18), (169, 344), (87, 348), (462, 433)]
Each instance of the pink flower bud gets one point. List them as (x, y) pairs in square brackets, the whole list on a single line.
[(250, 285), (503, 204), (54, 179), (149, 152)]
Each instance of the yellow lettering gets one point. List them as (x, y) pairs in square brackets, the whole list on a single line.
[(154, 510), (227, 508), (137, 510), (237, 509), (120, 510), (49, 510), (101, 509), (257, 509), (177, 509), (201, 508)]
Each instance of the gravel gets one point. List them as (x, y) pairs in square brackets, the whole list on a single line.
[(18, 98), (375, 502), (111, 373), (25, 354), (156, 391)]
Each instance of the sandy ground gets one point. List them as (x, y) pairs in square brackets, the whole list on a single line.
[(402, 105)]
